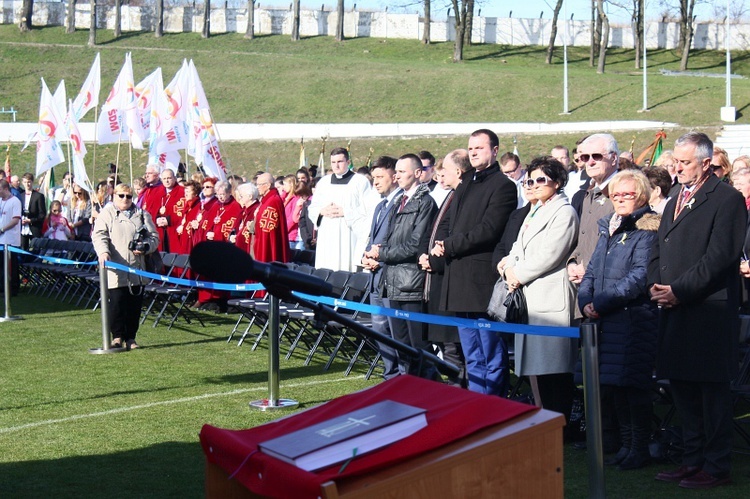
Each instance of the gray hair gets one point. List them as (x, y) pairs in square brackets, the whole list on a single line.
[(704, 147), (224, 186), (607, 138), (247, 189), (742, 172)]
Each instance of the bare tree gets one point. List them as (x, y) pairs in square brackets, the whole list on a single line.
[(553, 31), (92, 27), (596, 33), (118, 18), (70, 17), (159, 29), (427, 22), (250, 30), (206, 32), (460, 8), (27, 9), (340, 21), (639, 12), (295, 21), (605, 36), (686, 31), (469, 21)]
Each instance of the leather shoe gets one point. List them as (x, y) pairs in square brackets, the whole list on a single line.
[(704, 480), (679, 474)]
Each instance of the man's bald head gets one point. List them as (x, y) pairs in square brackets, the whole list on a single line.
[(264, 183)]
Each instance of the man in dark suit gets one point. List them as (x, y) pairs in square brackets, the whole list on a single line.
[(383, 173), (693, 278), (34, 211), (478, 214)]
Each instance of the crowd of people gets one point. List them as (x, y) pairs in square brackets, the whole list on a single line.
[(655, 254)]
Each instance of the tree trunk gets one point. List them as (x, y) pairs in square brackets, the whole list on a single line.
[(553, 31), (118, 18), (640, 34), (684, 5), (605, 37), (340, 21), (687, 26), (427, 22), (70, 17), (596, 34), (159, 29), (250, 31), (460, 25), (468, 21), (92, 27), (206, 32), (27, 9), (295, 21)]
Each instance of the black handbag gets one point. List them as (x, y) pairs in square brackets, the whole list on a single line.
[(515, 307), (496, 308)]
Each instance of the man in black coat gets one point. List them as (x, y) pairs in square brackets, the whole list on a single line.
[(693, 278), (34, 211), (478, 214)]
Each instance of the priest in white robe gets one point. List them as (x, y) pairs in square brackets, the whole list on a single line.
[(339, 211)]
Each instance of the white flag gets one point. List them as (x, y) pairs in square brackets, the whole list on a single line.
[(88, 97), (145, 94), (79, 152), (119, 117), (173, 129), (61, 101), (48, 150), (204, 144)]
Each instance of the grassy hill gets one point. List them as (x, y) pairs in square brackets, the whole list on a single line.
[(274, 80)]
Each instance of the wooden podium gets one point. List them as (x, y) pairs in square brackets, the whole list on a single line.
[(520, 458)]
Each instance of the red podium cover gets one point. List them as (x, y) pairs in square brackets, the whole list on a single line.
[(452, 414)]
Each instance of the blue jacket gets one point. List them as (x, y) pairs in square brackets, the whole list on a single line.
[(616, 283)]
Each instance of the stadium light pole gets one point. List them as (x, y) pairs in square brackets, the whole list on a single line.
[(645, 66), (728, 112)]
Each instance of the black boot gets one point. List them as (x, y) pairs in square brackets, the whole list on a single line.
[(626, 433), (639, 455)]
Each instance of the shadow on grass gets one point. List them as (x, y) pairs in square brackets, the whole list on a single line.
[(123, 36), (676, 97), (602, 96), (168, 469)]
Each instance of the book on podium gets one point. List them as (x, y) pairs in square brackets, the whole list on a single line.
[(347, 436)]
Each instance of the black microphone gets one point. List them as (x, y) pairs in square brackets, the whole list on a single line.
[(226, 263)]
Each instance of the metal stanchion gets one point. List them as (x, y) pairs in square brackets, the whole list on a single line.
[(592, 398), (104, 294), (6, 266), (273, 401)]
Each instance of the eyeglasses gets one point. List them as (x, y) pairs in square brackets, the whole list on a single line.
[(55, 212), (596, 156), (123, 196), (629, 196), (77, 192), (208, 186), (538, 181)]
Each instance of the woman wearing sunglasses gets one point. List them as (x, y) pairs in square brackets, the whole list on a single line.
[(614, 293), (537, 265), (124, 234)]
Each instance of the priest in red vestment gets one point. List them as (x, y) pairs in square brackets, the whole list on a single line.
[(271, 244), (221, 225), (170, 212), (151, 196), (189, 214), (207, 204), (247, 196)]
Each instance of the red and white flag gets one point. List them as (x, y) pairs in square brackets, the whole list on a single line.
[(204, 144), (48, 150), (119, 117), (79, 151), (145, 95), (88, 97), (171, 114)]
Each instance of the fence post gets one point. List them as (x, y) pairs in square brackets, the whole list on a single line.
[(592, 401), (104, 295), (8, 317), (273, 401)]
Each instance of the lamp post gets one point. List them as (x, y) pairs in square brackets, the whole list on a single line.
[(728, 112)]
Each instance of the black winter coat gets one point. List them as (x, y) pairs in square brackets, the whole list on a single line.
[(616, 283), (408, 237)]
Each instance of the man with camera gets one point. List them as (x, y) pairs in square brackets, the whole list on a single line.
[(124, 234)]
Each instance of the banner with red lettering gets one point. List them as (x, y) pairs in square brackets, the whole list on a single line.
[(119, 118), (170, 131), (48, 150), (204, 144)]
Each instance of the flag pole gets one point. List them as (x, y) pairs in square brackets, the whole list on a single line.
[(96, 123), (130, 152)]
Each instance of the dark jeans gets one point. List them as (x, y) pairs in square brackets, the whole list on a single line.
[(381, 325), (410, 333), (125, 312)]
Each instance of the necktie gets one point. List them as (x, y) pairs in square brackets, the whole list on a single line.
[(404, 199), (380, 209)]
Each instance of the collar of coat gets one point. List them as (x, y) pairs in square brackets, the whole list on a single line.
[(480, 176), (422, 191), (643, 218)]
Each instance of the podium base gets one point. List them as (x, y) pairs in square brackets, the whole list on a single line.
[(100, 351), (11, 318), (263, 404)]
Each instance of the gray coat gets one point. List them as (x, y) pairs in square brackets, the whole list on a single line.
[(113, 231), (539, 258)]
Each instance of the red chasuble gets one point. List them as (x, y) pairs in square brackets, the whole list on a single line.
[(150, 200), (221, 220), (246, 229), (205, 208), (172, 208), (189, 214), (271, 243)]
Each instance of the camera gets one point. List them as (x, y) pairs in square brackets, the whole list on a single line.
[(140, 241)]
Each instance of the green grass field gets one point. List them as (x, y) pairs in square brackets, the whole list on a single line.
[(74, 424), (318, 80)]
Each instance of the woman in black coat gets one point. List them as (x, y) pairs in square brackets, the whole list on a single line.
[(614, 293)]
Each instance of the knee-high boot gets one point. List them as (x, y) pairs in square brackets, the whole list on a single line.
[(641, 412)]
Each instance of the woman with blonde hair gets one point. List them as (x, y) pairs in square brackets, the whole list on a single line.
[(290, 199), (80, 209)]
